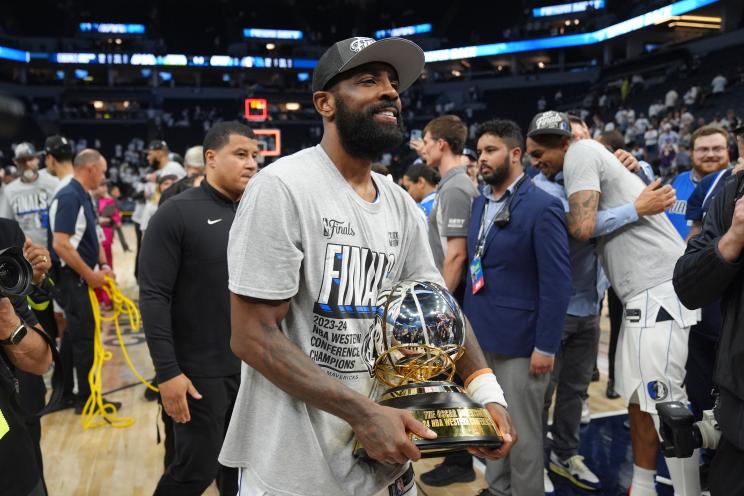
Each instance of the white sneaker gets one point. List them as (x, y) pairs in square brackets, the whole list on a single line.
[(586, 415), (575, 470), (549, 488)]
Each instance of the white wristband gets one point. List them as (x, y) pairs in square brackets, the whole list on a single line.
[(485, 389)]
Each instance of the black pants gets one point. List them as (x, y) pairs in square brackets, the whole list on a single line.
[(66, 369), (138, 234), (47, 320), (74, 299), (615, 309), (32, 395), (725, 471), (198, 442), (701, 359)]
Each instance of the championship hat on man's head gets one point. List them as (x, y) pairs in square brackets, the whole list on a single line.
[(550, 122), (58, 146), (405, 56), (24, 150), (157, 145)]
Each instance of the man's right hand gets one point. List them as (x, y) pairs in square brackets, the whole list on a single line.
[(98, 278), (173, 394), (383, 433), (653, 201), (736, 231), (416, 145), (9, 320), (628, 160)]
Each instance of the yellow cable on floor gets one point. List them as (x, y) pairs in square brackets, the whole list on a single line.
[(94, 407)]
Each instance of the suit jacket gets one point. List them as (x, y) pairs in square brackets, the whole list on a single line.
[(527, 271)]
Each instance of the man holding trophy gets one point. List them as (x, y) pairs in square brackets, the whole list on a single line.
[(317, 235)]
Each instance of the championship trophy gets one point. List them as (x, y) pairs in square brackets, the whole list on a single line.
[(416, 340)]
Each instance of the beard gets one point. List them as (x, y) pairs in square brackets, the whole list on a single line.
[(499, 175), (704, 168), (363, 137)]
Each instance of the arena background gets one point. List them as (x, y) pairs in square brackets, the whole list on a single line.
[(115, 76)]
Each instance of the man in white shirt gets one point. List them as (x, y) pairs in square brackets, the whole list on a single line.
[(691, 95), (718, 85), (671, 98), (639, 262)]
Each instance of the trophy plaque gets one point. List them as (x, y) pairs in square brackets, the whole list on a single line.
[(417, 337)]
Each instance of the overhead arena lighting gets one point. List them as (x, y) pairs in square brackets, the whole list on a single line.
[(403, 31), (622, 28), (567, 8), (698, 25), (657, 16), (693, 21)]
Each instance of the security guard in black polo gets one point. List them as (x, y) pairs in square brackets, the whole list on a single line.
[(185, 308), (76, 249)]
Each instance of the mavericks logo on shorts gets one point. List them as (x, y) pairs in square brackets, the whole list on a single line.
[(657, 390)]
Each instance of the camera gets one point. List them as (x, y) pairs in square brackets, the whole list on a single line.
[(681, 435), (16, 274)]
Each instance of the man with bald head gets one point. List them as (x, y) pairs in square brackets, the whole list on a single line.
[(80, 259)]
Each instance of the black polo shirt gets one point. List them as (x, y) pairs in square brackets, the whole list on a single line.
[(184, 299), (72, 212)]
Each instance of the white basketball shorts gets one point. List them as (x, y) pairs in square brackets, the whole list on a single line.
[(652, 348), (404, 485)]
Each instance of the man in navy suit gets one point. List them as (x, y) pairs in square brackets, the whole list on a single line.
[(517, 295)]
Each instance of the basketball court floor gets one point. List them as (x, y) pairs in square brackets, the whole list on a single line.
[(129, 461)]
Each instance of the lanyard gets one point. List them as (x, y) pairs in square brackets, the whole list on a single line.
[(485, 229), (506, 200)]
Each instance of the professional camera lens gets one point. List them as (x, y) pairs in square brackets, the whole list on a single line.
[(8, 274), (16, 274)]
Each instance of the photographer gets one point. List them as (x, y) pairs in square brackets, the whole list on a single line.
[(24, 356), (710, 269)]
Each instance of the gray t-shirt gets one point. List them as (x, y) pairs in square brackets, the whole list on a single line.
[(450, 214), (29, 205), (302, 233), (638, 256)]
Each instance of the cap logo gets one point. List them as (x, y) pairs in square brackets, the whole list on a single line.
[(549, 120), (359, 44)]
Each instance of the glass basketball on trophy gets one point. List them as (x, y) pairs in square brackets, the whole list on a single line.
[(416, 340)]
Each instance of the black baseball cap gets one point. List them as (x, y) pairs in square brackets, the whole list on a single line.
[(739, 131), (470, 153), (158, 145), (405, 56), (550, 122), (58, 147)]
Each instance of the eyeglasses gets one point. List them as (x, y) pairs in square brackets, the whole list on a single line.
[(704, 150)]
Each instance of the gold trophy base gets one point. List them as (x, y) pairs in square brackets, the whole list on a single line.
[(445, 408)]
